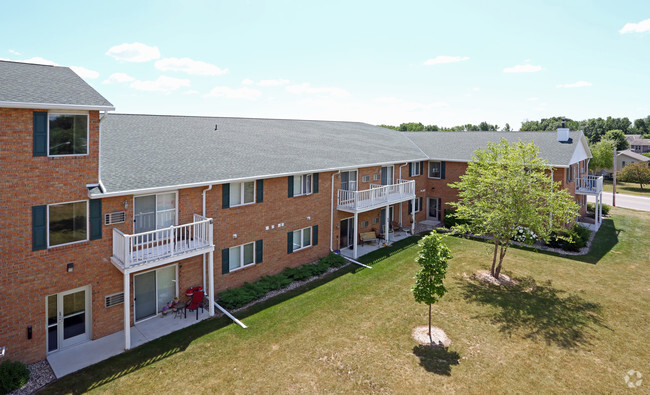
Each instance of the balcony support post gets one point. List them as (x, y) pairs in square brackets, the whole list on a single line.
[(413, 218), (127, 310), (211, 283), (356, 241), (387, 223)]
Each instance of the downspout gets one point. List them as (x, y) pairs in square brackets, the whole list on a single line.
[(332, 226), (203, 213), (99, 156)]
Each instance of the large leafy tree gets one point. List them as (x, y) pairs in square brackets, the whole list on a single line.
[(638, 173), (603, 155), (618, 137), (508, 187), (432, 258)]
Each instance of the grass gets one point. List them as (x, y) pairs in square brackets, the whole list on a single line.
[(627, 188), (573, 324)]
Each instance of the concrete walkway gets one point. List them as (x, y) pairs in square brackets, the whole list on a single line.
[(623, 200), (89, 353)]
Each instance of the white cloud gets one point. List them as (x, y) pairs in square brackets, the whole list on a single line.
[(441, 59), (117, 78), (162, 84), (247, 81), (533, 98), (307, 88), (84, 72), (276, 82), (134, 52), (230, 93), (579, 84), (11, 51), (39, 60), (189, 66), (387, 100), (522, 68), (640, 27), (403, 105), (191, 92)]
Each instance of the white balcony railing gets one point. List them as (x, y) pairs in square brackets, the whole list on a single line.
[(375, 197), (147, 247), (591, 185)]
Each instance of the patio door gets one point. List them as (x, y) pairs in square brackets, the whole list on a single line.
[(153, 212), (152, 290), (347, 232), (433, 210), (387, 175), (349, 180), (68, 318), (382, 218)]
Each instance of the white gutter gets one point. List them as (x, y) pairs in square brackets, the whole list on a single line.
[(54, 106), (232, 317), (332, 226), (400, 170)]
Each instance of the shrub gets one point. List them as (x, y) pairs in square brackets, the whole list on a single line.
[(275, 282), (525, 235), (579, 236), (592, 207), (13, 375), (333, 260), (451, 220)]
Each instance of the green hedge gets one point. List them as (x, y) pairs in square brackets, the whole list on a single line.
[(592, 207), (451, 220), (13, 375), (579, 234), (237, 297)]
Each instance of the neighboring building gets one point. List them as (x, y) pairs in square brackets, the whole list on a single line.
[(638, 144), (625, 158), (105, 217)]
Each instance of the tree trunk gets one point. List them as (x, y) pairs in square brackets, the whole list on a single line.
[(494, 257), (502, 253), (430, 338)]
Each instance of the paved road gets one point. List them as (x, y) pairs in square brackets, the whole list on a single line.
[(627, 201)]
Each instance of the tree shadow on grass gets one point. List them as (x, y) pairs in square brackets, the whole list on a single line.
[(437, 360), (539, 312)]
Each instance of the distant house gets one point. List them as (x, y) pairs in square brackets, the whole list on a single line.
[(625, 158), (638, 144)]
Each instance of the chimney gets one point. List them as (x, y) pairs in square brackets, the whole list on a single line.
[(563, 132)]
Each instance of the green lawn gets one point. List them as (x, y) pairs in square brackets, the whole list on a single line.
[(627, 188), (579, 329)]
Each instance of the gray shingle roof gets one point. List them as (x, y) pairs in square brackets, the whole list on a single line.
[(634, 155), (460, 146), (22, 83), (156, 151)]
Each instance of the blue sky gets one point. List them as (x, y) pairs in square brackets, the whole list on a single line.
[(436, 62)]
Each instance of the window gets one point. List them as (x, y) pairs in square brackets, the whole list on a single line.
[(416, 169), (364, 224), (375, 220), (68, 134), (67, 223), (241, 256), (569, 174), (301, 238), (349, 180), (242, 193), (365, 179), (153, 212), (418, 205), (302, 185), (376, 177), (435, 169)]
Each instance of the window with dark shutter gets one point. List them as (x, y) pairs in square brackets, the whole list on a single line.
[(225, 196), (260, 191), (39, 227), (40, 133), (225, 261), (314, 236), (259, 250), (95, 219), (290, 178)]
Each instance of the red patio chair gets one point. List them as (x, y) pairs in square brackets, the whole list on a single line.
[(197, 302)]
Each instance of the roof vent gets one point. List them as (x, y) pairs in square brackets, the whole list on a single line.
[(216, 126)]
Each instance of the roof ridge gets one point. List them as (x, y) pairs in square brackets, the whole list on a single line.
[(231, 117)]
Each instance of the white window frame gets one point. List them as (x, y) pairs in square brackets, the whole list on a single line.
[(156, 212), (87, 223), (302, 184), (241, 193), (375, 220), (355, 182), (87, 114), (311, 238), (365, 178), (241, 256), (158, 308), (429, 169), (416, 169), (376, 177), (365, 224)]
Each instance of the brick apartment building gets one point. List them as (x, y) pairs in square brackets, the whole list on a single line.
[(106, 217)]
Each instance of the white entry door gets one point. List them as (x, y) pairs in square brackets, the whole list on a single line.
[(68, 318)]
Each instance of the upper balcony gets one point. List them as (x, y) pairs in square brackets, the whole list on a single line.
[(161, 246), (377, 196), (589, 185)]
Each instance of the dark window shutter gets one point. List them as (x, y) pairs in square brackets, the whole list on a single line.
[(411, 169), (259, 251), (225, 260), (289, 242), (39, 227), (410, 206), (40, 133), (315, 182), (290, 186), (442, 170), (421, 167), (225, 196), (95, 219), (314, 235), (260, 191)]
